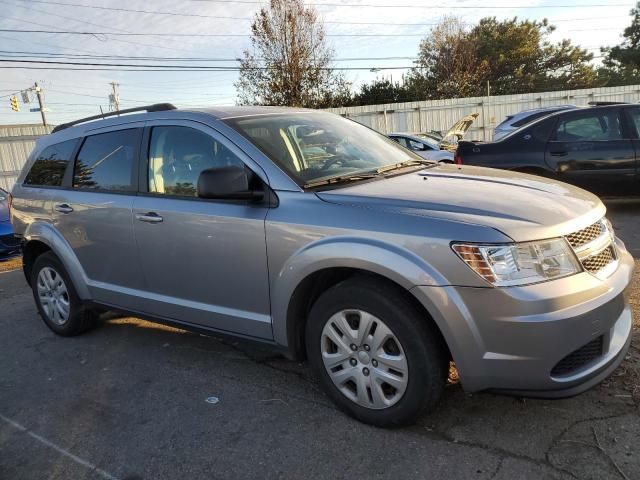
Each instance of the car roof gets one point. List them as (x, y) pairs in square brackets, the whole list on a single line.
[(81, 126)]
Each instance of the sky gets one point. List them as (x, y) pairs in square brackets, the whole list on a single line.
[(73, 94)]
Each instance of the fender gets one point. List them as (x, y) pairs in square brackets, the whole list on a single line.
[(47, 234), (398, 265)]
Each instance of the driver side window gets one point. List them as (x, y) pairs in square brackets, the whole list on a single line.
[(177, 155)]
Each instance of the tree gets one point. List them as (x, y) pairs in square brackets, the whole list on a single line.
[(289, 62), (622, 62), (520, 58), (448, 64), (514, 56), (381, 91)]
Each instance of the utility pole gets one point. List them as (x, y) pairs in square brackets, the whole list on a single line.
[(41, 102), (114, 98)]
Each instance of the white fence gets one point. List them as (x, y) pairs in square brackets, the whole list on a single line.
[(16, 143), (440, 115)]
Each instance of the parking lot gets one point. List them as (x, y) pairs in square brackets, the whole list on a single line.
[(133, 400)]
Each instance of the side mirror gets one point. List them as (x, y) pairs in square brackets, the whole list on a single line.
[(227, 183)]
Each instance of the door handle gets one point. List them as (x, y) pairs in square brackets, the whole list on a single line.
[(559, 154), (149, 217), (63, 208)]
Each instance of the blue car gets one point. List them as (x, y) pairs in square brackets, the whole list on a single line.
[(9, 245)]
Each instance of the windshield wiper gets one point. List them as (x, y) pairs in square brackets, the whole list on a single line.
[(370, 174), (342, 179), (408, 163)]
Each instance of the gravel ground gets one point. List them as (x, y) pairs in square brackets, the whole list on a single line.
[(129, 401)]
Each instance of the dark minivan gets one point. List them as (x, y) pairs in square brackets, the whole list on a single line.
[(596, 148)]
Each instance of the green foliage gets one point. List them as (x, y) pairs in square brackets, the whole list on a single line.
[(381, 91), (513, 56), (622, 62)]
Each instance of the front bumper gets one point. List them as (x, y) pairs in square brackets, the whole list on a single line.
[(9, 245), (510, 339)]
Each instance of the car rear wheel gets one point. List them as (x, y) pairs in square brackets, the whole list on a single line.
[(58, 303), (376, 355)]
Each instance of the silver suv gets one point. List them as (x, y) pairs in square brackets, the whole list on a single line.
[(318, 235)]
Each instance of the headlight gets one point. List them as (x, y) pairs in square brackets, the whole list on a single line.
[(520, 263)]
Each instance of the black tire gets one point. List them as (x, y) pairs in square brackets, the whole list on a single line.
[(419, 338), (81, 318)]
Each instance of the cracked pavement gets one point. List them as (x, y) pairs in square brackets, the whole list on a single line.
[(128, 399)]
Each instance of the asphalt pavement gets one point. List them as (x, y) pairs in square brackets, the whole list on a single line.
[(136, 400)]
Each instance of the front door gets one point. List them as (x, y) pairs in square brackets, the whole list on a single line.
[(204, 261), (592, 148)]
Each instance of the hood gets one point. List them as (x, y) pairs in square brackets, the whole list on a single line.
[(524, 207)]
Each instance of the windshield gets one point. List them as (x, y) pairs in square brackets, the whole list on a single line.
[(318, 145)]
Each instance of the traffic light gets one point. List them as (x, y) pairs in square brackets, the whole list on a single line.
[(14, 104)]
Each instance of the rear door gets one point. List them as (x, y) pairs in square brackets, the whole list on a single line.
[(204, 261), (592, 148), (94, 212)]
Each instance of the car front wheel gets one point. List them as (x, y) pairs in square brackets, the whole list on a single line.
[(377, 356)]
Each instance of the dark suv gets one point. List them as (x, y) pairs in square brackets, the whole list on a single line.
[(596, 148)]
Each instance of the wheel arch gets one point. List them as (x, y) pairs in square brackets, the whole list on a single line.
[(41, 237), (315, 269), (309, 289)]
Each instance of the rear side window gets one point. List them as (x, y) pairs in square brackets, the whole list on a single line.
[(50, 165), (597, 125), (107, 161)]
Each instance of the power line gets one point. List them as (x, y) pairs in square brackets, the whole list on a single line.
[(330, 4), (377, 5), (223, 35), (186, 69), (224, 17), (21, 54), (161, 68)]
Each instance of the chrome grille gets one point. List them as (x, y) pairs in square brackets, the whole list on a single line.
[(595, 248), (586, 235), (595, 263)]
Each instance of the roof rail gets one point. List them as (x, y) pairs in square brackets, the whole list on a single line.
[(156, 107), (604, 104)]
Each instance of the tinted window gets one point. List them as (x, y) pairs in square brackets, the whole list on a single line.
[(597, 125), (50, 165), (106, 161), (635, 118), (177, 155)]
